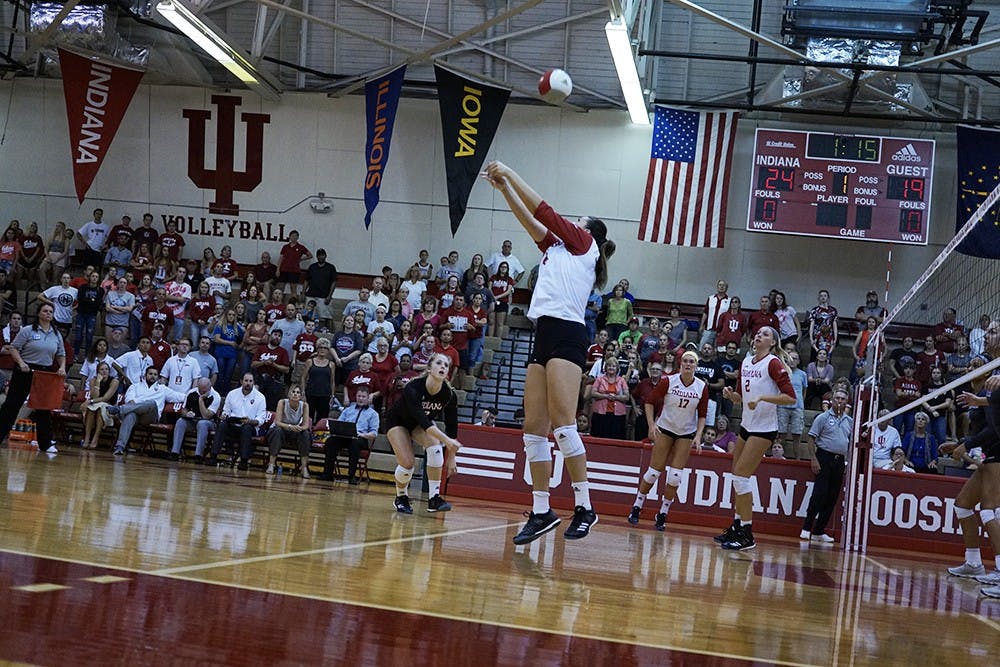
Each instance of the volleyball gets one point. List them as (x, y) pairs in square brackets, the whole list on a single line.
[(555, 85)]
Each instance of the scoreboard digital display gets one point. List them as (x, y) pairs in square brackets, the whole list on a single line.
[(843, 185)]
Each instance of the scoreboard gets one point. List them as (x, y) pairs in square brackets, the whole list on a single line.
[(842, 185)]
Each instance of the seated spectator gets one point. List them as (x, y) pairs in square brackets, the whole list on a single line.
[(208, 260), (404, 373), (726, 438), (778, 452), (428, 313), (947, 332), (871, 308), (362, 377), (10, 250), (920, 446), (709, 436), (102, 390), (379, 329), (200, 409), (96, 355), (820, 375), (243, 411), (977, 336), (364, 304), (885, 438), (583, 424), (488, 417), (227, 262), (610, 405), (8, 294), (632, 333), (898, 461), (132, 365), (732, 327), (143, 404), (291, 424), (275, 308), (762, 318), (930, 357), (367, 423), (159, 347)]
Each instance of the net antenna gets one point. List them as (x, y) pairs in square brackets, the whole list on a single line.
[(970, 285)]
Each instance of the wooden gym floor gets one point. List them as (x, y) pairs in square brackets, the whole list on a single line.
[(143, 561)]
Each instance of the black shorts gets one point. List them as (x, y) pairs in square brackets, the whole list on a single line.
[(671, 434), (501, 307), (991, 453), (767, 435), (291, 277), (559, 339)]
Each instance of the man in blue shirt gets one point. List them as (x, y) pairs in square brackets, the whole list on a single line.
[(366, 418), (830, 437)]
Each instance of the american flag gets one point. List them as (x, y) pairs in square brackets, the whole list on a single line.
[(688, 182)]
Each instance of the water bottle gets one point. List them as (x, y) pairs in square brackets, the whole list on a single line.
[(277, 470)]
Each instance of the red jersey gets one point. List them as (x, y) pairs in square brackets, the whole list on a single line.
[(594, 353), (732, 328), (146, 235), (265, 272), (172, 245), (275, 311), (452, 353), (913, 388), (272, 357), (758, 319), (384, 370), (6, 360), (152, 315), (291, 257), (120, 231), (644, 393), (304, 346), (361, 379), (228, 267), (159, 352), (500, 285), (201, 310), (459, 320)]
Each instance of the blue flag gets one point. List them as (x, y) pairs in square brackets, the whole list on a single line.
[(978, 174), (381, 102)]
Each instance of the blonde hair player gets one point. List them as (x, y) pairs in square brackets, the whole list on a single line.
[(677, 429), (575, 260), (762, 384), (425, 399)]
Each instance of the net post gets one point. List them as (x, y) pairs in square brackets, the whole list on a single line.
[(858, 492)]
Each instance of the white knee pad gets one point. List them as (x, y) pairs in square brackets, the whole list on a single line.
[(986, 516), (742, 485), (403, 475), (435, 456), (651, 476), (963, 513), (674, 477), (537, 448), (569, 441)]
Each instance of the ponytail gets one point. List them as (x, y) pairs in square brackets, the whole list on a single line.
[(599, 231)]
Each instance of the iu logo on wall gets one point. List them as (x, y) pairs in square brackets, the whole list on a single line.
[(224, 178)]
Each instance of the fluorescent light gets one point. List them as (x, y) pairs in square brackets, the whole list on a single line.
[(211, 40), (621, 52)]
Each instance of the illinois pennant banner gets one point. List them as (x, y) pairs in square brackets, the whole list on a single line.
[(381, 102), (97, 96), (470, 116)]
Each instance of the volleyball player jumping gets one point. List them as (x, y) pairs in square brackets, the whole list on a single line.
[(574, 261)]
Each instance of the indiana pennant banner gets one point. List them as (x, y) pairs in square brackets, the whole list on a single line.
[(97, 96), (470, 116), (978, 167), (381, 102)]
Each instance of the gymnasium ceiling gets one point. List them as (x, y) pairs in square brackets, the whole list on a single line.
[(330, 46)]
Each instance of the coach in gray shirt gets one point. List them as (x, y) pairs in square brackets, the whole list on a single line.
[(830, 436)]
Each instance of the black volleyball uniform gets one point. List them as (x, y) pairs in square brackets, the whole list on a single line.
[(418, 408)]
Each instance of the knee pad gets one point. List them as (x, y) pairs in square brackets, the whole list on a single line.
[(986, 516), (742, 485), (435, 456), (674, 477), (403, 475), (569, 441), (537, 448), (651, 476), (963, 513)]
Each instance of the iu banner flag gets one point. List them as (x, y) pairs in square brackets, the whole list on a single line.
[(978, 176), (688, 182), (97, 95), (470, 116), (381, 102)]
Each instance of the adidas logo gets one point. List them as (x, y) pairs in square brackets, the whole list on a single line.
[(906, 154)]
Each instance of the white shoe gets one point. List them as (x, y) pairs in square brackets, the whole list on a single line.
[(270, 469), (824, 538), (991, 591), (990, 578), (805, 535), (52, 450), (968, 571)]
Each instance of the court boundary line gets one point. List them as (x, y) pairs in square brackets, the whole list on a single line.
[(881, 565), (420, 612), (991, 623)]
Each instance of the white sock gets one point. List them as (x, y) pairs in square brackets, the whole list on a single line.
[(539, 502), (581, 492), (973, 557), (996, 562), (434, 487), (665, 506), (640, 498), (746, 523)]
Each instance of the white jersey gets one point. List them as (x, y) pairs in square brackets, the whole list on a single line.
[(683, 404), (567, 270), (766, 377)]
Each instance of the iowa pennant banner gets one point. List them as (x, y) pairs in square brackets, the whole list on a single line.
[(470, 116), (97, 96), (381, 102)]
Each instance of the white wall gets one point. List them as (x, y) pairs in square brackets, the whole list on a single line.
[(584, 164)]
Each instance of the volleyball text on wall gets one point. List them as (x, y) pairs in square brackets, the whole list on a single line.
[(861, 187)]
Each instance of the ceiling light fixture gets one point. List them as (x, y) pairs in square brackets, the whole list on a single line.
[(213, 42), (621, 52)]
